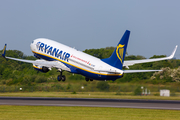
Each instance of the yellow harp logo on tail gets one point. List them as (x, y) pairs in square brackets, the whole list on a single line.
[(4, 49), (120, 51)]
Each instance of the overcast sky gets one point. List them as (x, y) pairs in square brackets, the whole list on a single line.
[(83, 24)]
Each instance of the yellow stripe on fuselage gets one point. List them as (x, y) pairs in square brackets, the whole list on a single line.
[(76, 66)]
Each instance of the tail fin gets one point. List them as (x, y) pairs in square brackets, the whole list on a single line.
[(4, 51), (117, 57)]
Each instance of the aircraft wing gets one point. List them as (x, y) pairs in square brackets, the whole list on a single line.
[(132, 62), (22, 60), (49, 64)]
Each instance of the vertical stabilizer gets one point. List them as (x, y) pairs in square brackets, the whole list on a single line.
[(117, 57), (4, 51)]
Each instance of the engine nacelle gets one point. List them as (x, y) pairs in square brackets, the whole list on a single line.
[(45, 69), (41, 68)]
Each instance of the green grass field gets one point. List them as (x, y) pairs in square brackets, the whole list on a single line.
[(111, 95), (83, 113)]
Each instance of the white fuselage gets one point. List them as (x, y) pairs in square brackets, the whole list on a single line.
[(77, 61)]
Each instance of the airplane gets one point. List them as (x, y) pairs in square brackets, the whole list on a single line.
[(51, 54)]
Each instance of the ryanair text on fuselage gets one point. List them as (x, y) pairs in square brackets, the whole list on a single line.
[(53, 51)]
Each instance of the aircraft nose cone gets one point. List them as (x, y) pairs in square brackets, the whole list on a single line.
[(32, 46)]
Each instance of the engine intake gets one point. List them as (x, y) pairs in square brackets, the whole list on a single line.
[(45, 69), (41, 68)]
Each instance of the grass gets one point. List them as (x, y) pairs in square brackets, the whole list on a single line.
[(83, 113), (111, 95), (72, 89)]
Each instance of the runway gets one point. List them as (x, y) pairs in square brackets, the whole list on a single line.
[(91, 102)]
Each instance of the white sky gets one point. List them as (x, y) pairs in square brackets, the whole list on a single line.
[(154, 24)]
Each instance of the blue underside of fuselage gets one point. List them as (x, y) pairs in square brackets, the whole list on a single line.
[(81, 71)]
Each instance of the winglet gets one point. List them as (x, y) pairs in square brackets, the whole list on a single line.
[(173, 53), (4, 51)]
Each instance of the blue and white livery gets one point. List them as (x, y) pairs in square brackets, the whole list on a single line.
[(52, 54)]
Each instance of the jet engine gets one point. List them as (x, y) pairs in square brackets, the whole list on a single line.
[(41, 68)]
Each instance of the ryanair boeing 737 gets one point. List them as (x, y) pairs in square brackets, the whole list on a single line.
[(52, 54)]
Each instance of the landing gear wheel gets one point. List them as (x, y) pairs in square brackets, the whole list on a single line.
[(91, 79), (63, 78), (59, 77), (87, 79)]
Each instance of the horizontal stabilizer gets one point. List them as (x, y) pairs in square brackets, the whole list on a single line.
[(137, 71), (110, 71)]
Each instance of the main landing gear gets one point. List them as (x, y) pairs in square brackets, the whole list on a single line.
[(61, 77), (87, 79)]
